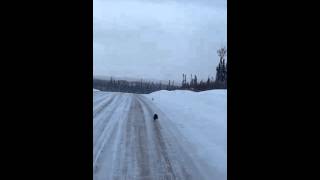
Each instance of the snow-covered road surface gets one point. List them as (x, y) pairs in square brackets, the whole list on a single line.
[(129, 144)]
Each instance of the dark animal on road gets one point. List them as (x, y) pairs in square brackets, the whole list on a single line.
[(155, 116)]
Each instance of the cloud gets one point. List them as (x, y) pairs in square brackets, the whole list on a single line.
[(158, 39)]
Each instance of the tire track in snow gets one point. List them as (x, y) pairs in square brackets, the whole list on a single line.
[(98, 95), (164, 147), (106, 110), (182, 163), (100, 105), (110, 125), (133, 146), (138, 125), (101, 127), (104, 156), (159, 140), (196, 169)]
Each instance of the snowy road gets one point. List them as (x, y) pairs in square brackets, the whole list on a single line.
[(129, 144)]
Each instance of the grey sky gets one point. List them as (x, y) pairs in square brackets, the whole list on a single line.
[(158, 39)]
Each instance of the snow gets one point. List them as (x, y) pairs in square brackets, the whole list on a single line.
[(201, 118), (95, 89), (187, 141)]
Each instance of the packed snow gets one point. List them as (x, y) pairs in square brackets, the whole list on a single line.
[(188, 141), (201, 117)]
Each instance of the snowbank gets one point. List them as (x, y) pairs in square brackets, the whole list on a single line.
[(201, 117)]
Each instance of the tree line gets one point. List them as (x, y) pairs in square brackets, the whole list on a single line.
[(145, 87), (140, 87), (220, 82)]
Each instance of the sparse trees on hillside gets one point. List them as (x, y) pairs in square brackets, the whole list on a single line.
[(220, 81)]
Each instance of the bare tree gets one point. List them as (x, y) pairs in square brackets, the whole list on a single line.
[(222, 52)]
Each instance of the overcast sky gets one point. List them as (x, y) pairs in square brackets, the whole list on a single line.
[(158, 39)]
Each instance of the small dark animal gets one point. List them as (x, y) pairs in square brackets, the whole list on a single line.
[(155, 117)]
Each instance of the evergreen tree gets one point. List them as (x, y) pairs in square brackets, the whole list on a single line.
[(208, 83), (221, 74)]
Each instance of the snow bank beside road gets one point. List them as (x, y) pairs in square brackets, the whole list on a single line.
[(201, 117)]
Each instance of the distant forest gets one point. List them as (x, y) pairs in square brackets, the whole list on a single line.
[(146, 87)]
